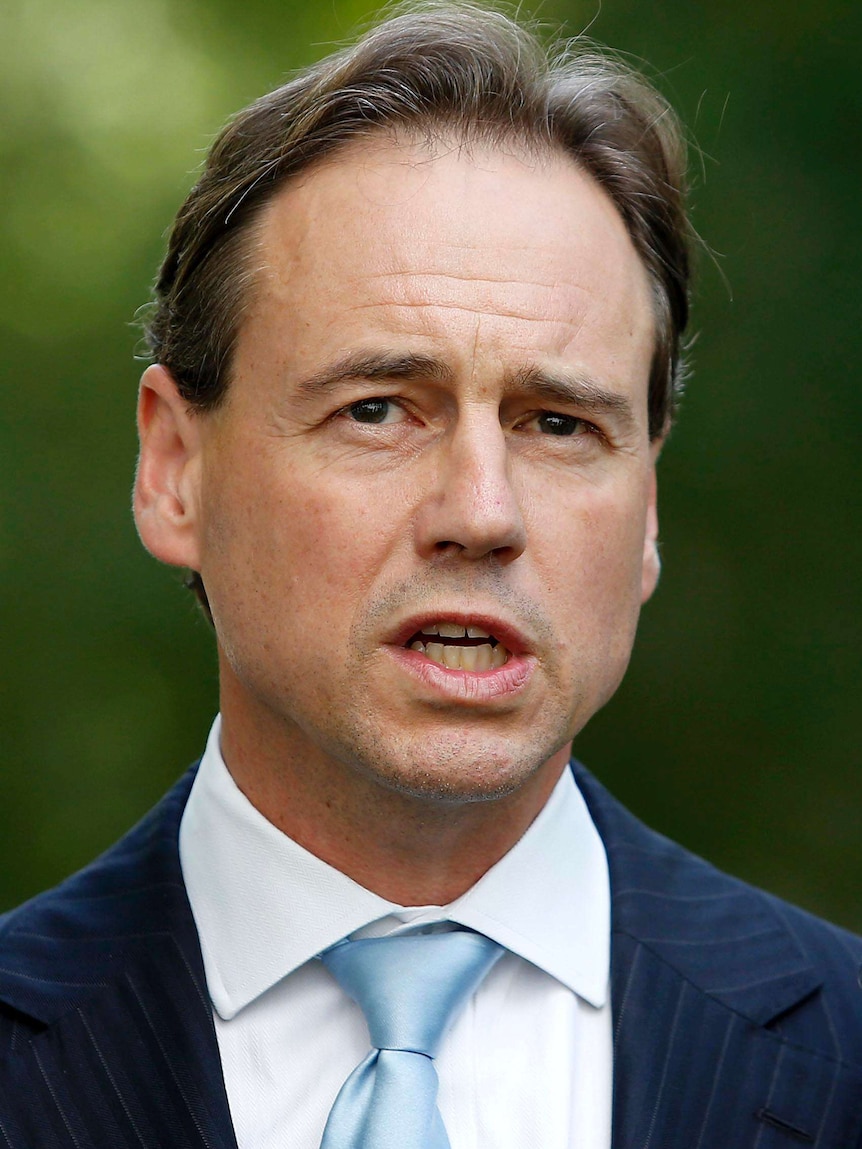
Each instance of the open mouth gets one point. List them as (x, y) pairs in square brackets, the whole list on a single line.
[(459, 647)]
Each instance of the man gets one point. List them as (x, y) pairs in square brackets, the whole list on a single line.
[(416, 345)]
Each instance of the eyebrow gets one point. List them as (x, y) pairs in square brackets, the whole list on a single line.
[(575, 389), (375, 365)]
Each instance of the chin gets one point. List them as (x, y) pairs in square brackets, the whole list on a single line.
[(463, 773)]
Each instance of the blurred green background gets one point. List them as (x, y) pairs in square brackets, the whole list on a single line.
[(737, 731)]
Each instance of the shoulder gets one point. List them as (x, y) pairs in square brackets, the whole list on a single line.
[(62, 945), (767, 960)]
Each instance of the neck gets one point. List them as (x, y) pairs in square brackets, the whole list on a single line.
[(409, 848)]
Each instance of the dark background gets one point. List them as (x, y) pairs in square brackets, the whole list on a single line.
[(737, 730)]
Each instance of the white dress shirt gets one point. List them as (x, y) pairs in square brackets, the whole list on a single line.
[(527, 1065)]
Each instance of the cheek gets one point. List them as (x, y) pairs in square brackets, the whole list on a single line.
[(596, 540), (341, 535), (603, 595), (596, 570), (282, 540)]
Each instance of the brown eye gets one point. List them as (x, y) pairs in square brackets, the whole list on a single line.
[(370, 410), (553, 423)]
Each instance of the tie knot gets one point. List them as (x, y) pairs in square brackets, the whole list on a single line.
[(412, 986)]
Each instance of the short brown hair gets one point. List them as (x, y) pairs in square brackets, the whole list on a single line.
[(443, 66)]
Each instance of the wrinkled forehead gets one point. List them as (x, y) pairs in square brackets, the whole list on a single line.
[(484, 259), (399, 222)]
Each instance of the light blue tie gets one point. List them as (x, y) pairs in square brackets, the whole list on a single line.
[(410, 988)]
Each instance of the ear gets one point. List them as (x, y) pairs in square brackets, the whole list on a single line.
[(651, 568), (167, 481)]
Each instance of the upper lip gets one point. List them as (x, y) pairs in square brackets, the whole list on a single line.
[(515, 641)]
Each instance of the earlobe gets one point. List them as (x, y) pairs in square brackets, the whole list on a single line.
[(167, 480), (651, 568)]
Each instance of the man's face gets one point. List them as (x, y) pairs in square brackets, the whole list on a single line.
[(426, 509)]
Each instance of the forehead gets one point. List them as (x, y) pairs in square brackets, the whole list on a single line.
[(469, 251)]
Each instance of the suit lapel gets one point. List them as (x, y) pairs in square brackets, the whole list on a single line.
[(688, 1071), (134, 1066), (702, 967), (106, 980)]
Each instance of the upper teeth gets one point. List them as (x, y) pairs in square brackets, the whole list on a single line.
[(454, 652), (454, 630)]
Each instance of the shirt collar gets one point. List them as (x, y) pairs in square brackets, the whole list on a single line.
[(263, 905)]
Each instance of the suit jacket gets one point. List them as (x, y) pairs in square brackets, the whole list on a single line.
[(738, 1018)]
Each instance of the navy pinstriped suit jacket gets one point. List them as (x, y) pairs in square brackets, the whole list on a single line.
[(738, 1018)]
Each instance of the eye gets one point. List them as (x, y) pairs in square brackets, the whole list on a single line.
[(374, 411), (555, 423)]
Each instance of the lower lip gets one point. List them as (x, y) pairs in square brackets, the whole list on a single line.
[(469, 686)]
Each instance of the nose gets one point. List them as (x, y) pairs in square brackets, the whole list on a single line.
[(471, 508)]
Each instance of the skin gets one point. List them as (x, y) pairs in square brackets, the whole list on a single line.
[(438, 409)]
